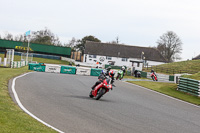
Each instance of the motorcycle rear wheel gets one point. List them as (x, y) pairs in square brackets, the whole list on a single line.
[(100, 93), (117, 77)]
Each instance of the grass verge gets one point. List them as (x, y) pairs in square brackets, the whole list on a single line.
[(168, 89), (132, 77), (195, 76), (12, 118)]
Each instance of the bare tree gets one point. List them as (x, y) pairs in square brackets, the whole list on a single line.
[(72, 44), (45, 37), (19, 38), (115, 41), (8, 36), (170, 46)]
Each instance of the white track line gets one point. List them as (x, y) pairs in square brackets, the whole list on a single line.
[(162, 94), (24, 109)]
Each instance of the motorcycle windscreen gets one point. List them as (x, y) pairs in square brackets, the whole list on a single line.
[(108, 81)]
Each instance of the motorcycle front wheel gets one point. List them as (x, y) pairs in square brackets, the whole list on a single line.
[(91, 96), (153, 78), (100, 93)]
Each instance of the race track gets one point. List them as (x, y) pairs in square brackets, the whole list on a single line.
[(62, 101)]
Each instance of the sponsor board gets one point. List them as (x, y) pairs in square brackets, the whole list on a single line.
[(52, 69)]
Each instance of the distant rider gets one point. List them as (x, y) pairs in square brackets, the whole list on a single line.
[(123, 69)]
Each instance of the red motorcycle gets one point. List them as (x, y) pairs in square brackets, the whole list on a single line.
[(154, 77), (101, 89)]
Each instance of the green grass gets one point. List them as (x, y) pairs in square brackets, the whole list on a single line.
[(194, 76), (12, 118), (50, 61), (132, 77), (168, 89), (191, 65)]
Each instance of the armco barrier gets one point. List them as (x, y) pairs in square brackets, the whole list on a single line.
[(83, 71), (189, 86), (95, 72), (68, 70), (18, 64)]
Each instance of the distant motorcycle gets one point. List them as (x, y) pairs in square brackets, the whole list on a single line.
[(120, 75), (154, 77), (101, 88)]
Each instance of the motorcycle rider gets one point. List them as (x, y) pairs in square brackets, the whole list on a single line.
[(103, 75), (111, 75), (108, 70), (152, 71), (123, 69)]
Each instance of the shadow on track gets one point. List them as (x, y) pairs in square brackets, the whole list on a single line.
[(88, 98)]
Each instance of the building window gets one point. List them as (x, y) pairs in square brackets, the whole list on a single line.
[(124, 59), (92, 56), (108, 58)]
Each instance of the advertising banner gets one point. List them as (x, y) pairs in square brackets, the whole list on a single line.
[(83, 71), (52, 68), (68, 70)]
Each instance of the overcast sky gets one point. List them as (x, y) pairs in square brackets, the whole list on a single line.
[(135, 22)]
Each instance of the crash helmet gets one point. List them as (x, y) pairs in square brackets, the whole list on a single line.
[(123, 68), (111, 73), (152, 71)]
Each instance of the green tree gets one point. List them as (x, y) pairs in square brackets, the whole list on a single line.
[(81, 43), (170, 46)]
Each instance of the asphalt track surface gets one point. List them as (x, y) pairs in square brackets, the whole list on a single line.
[(62, 101)]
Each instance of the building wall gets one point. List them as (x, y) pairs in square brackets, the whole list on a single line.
[(93, 59), (102, 60)]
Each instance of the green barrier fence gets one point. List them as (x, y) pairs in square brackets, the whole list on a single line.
[(143, 74), (36, 67), (95, 72), (171, 78), (37, 48), (128, 73), (189, 86), (114, 67), (68, 70)]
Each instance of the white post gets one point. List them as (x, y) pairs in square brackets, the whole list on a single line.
[(5, 62), (0, 60), (13, 54), (27, 51)]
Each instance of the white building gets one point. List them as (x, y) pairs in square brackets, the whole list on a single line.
[(121, 55)]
